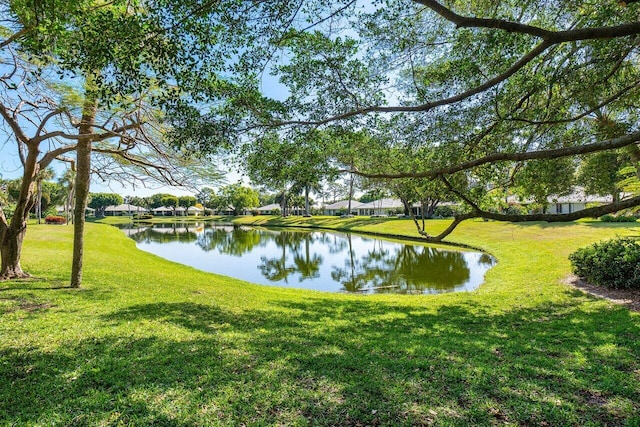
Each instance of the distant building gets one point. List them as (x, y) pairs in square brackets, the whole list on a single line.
[(162, 211), (341, 207), (195, 211), (576, 201), (269, 209), (124, 210), (381, 207)]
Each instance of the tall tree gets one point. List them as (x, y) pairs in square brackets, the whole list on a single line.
[(495, 89), (269, 162), (238, 197)]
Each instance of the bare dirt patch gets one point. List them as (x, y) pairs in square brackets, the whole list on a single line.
[(627, 297)]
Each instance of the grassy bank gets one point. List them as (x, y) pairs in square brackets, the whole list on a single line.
[(148, 341)]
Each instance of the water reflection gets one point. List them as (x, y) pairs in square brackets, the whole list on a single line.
[(315, 259)]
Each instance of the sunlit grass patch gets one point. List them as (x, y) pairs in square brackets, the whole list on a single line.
[(149, 341)]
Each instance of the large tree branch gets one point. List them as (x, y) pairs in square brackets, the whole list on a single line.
[(14, 37), (95, 137), (521, 63), (46, 119), (549, 38), (54, 154), (13, 124), (554, 37), (463, 21), (609, 144), (594, 212)]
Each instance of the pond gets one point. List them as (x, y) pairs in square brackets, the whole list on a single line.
[(319, 260)]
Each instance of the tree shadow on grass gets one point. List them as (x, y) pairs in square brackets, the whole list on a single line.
[(329, 362)]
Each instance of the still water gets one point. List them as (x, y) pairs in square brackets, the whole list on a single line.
[(320, 260)]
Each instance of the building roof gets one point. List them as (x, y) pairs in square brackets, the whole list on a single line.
[(270, 207), (382, 204), (344, 204), (125, 207)]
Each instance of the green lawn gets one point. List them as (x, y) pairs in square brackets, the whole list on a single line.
[(147, 341)]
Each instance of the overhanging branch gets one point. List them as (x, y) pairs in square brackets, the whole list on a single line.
[(609, 144)]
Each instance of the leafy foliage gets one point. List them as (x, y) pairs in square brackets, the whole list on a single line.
[(613, 263), (238, 198), (618, 218), (99, 201)]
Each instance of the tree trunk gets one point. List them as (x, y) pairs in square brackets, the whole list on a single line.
[(407, 207), (83, 177), (39, 201), (306, 200), (10, 251), (13, 233), (69, 205), (284, 203), (350, 193)]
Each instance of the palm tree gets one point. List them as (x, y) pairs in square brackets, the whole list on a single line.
[(67, 180), (43, 175)]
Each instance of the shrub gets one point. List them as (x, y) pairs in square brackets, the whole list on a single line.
[(613, 263), (54, 219), (142, 216), (515, 210), (445, 211), (619, 218)]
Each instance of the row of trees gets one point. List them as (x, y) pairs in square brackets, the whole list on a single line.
[(235, 197)]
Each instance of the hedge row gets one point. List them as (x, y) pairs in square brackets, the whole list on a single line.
[(613, 263)]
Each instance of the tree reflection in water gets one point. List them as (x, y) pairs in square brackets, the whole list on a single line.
[(305, 263), (164, 233), (323, 260), (229, 240)]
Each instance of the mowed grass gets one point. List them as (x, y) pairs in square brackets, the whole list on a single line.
[(147, 341)]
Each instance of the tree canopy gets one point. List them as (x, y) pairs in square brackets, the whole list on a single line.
[(495, 95)]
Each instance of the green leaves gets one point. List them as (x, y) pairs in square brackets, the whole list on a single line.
[(614, 263)]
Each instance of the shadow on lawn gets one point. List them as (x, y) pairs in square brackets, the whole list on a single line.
[(333, 362)]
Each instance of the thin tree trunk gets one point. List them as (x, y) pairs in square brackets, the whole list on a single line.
[(350, 194), (284, 203), (306, 200), (83, 177), (39, 201)]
